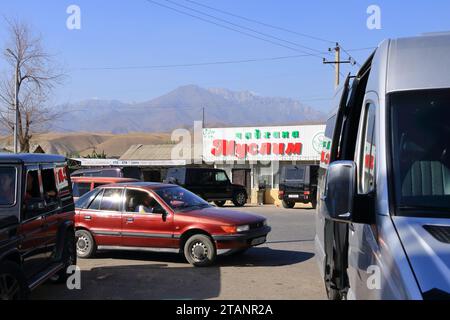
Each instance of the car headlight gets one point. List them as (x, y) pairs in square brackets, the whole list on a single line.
[(243, 228)]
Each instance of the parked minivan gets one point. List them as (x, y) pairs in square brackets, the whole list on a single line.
[(111, 172), (383, 216), (37, 225)]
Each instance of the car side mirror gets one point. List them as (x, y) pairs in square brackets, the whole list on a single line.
[(343, 203), (340, 190)]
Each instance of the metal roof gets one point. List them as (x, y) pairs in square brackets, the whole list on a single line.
[(149, 152), (419, 63)]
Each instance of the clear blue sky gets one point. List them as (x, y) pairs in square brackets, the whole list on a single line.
[(132, 33)]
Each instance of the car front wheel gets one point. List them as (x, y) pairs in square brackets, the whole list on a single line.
[(86, 246), (239, 199), (13, 285), (200, 251)]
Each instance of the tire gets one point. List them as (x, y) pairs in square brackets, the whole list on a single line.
[(239, 199), (200, 251), (86, 246), (314, 203), (13, 284), (69, 258), (220, 203), (288, 204)]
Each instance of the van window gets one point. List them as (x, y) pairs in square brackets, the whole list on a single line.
[(81, 188), (327, 141), (294, 173), (111, 200), (8, 178), (367, 152), (420, 129)]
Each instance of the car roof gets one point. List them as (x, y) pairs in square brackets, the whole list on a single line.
[(143, 185), (22, 158), (102, 179)]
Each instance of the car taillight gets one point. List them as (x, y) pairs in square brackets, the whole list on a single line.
[(281, 192), (306, 193)]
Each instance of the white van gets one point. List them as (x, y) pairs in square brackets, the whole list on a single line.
[(383, 215)]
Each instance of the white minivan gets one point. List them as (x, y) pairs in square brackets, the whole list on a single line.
[(383, 215)]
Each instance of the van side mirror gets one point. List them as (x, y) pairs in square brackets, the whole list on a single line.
[(342, 202), (340, 190)]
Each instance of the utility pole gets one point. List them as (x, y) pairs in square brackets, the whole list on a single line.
[(16, 102), (337, 62), (203, 117)]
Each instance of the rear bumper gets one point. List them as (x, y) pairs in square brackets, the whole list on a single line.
[(298, 197), (242, 239)]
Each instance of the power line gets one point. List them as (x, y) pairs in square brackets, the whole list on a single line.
[(242, 27), (186, 65), (232, 29), (262, 23)]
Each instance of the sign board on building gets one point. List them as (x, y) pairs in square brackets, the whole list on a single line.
[(282, 143)]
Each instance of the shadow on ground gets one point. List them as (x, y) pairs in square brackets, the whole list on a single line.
[(159, 280)]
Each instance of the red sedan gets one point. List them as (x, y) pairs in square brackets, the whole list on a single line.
[(146, 216)]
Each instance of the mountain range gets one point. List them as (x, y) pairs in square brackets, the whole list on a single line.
[(180, 108)]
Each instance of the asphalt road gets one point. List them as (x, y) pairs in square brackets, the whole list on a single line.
[(283, 268)]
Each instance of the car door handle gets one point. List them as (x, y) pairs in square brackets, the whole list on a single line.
[(130, 219), (87, 218)]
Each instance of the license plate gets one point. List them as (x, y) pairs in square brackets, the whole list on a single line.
[(257, 241), (293, 196)]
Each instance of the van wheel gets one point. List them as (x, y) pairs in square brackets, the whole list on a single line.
[(239, 199), (13, 285), (200, 251), (220, 203), (288, 204), (69, 258), (86, 246)]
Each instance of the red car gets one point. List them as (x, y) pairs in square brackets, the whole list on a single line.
[(82, 185), (144, 215)]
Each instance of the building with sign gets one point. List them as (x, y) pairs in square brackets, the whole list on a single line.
[(254, 156)]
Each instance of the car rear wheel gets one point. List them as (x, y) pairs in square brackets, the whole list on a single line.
[(69, 258), (86, 246), (288, 204), (200, 251), (220, 203), (239, 199), (13, 285)]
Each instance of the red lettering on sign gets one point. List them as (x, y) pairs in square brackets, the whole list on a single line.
[(294, 148), (266, 149), (241, 151), (278, 148)]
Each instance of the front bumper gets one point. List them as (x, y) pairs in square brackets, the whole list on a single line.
[(241, 239)]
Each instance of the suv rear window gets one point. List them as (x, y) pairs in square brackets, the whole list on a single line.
[(294, 174), (8, 176)]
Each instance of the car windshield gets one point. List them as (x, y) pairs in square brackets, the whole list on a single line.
[(180, 199), (420, 122), (7, 186)]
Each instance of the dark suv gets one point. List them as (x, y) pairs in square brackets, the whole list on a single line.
[(298, 184), (37, 238), (210, 184)]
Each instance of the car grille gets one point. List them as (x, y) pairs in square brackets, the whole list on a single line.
[(441, 233)]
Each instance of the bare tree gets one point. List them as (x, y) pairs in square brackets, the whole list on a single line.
[(36, 77)]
